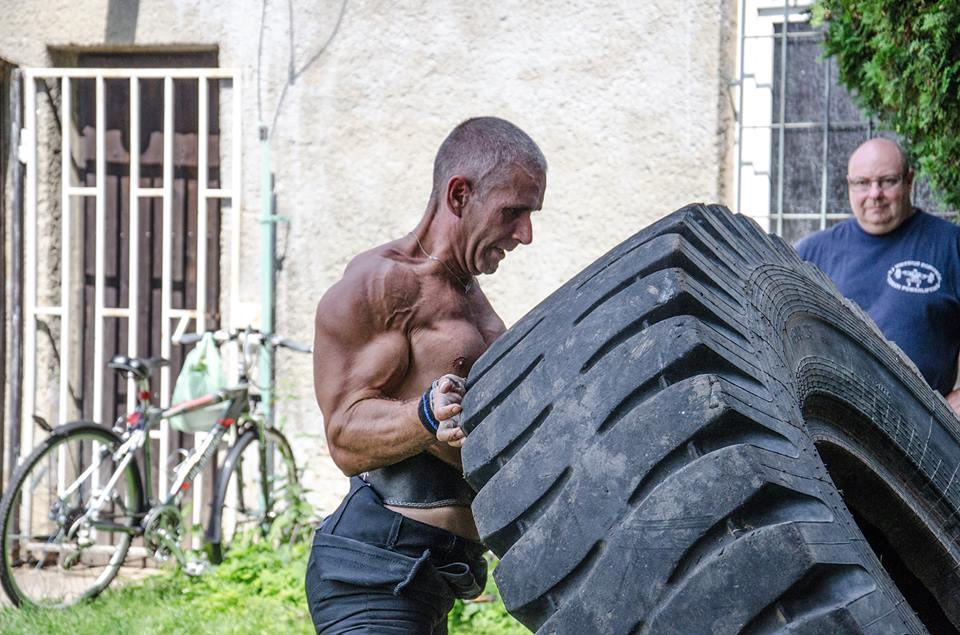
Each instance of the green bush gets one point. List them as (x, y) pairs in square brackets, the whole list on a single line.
[(902, 62), (258, 589)]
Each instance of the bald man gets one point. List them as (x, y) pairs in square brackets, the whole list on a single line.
[(900, 264)]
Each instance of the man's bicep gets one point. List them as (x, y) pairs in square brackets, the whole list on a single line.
[(378, 368), (350, 366)]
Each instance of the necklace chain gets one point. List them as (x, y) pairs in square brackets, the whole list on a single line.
[(466, 285)]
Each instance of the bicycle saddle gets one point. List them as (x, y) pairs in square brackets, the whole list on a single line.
[(140, 367)]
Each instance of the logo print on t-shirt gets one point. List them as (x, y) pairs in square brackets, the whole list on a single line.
[(914, 276)]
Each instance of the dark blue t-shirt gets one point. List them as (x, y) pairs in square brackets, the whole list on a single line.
[(908, 281)]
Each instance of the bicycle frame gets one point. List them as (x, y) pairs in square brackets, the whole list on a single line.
[(94, 497), (140, 422), (146, 417)]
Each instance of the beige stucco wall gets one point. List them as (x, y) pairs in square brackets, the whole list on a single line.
[(627, 100)]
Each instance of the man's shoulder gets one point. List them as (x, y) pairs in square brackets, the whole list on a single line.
[(376, 286), (937, 226), (383, 269), (812, 244)]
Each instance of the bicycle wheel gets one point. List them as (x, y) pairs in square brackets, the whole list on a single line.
[(51, 556), (241, 504)]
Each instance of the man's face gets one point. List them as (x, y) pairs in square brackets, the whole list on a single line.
[(878, 186), (500, 219)]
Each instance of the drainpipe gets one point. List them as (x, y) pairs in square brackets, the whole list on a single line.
[(268, 260)]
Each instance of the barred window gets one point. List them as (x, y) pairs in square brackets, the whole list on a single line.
[(797, 126)]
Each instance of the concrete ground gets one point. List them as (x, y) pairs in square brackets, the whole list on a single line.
[(33, 577)]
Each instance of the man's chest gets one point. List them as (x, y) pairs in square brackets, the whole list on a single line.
[(448, 345), (907, 277), (901, 281)]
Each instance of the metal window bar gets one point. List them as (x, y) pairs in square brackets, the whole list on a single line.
[(782, 117), (738, 116), (65, 225), (32, 311), (806, 125), (775, 36), (825, 140)]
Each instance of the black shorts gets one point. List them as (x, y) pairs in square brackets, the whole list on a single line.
[(372, 570)]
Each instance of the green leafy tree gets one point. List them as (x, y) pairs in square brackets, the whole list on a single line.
[(901, 59)]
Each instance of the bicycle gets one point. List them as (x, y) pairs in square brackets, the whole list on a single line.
[(75, 504)]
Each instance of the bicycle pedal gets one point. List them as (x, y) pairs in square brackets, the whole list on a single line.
[(196, 567), (71, 559)]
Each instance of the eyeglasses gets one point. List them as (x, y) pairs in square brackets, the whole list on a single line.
[(884, 182)]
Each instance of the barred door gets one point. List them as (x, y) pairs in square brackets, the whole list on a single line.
[(122, 242)]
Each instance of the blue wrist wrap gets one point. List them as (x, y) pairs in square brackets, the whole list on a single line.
[(425, 412)]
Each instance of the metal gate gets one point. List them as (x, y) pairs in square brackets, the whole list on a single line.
[(51, 258)]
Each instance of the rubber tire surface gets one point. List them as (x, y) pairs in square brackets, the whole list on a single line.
[(643, 446), (23, 470), (214, 534)]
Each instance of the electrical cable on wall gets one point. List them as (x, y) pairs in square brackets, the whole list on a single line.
[(268, 206), (292, 72), (292, 75)]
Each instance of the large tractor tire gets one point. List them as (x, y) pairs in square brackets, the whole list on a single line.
[(698, 435)]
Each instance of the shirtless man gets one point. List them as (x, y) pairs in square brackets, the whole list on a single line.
[(395, 338)]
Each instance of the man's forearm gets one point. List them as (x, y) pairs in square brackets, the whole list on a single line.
[(374, 433)]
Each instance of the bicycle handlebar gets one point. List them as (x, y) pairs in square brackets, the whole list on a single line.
[(300, 347), (221, 336), (188, 338)]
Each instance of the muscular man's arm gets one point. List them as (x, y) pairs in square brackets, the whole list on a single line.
[(361, 357)]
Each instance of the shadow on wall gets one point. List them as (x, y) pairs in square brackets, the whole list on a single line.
[(121, 21)]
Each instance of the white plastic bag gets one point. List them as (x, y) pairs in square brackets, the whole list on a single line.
[(202, 374)]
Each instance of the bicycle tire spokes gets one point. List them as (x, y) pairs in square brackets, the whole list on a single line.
[(251, 503), (57, 549), (75, 504)]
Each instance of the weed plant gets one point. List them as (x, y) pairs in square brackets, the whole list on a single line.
[(258, 589)]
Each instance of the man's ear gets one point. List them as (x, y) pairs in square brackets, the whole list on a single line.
[(459, 192)]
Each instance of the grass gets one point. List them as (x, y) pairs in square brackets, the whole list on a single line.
[(258, 589), (487, 617)]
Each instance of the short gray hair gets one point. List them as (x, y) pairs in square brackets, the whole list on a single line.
[(905, 161), (483, 150)]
